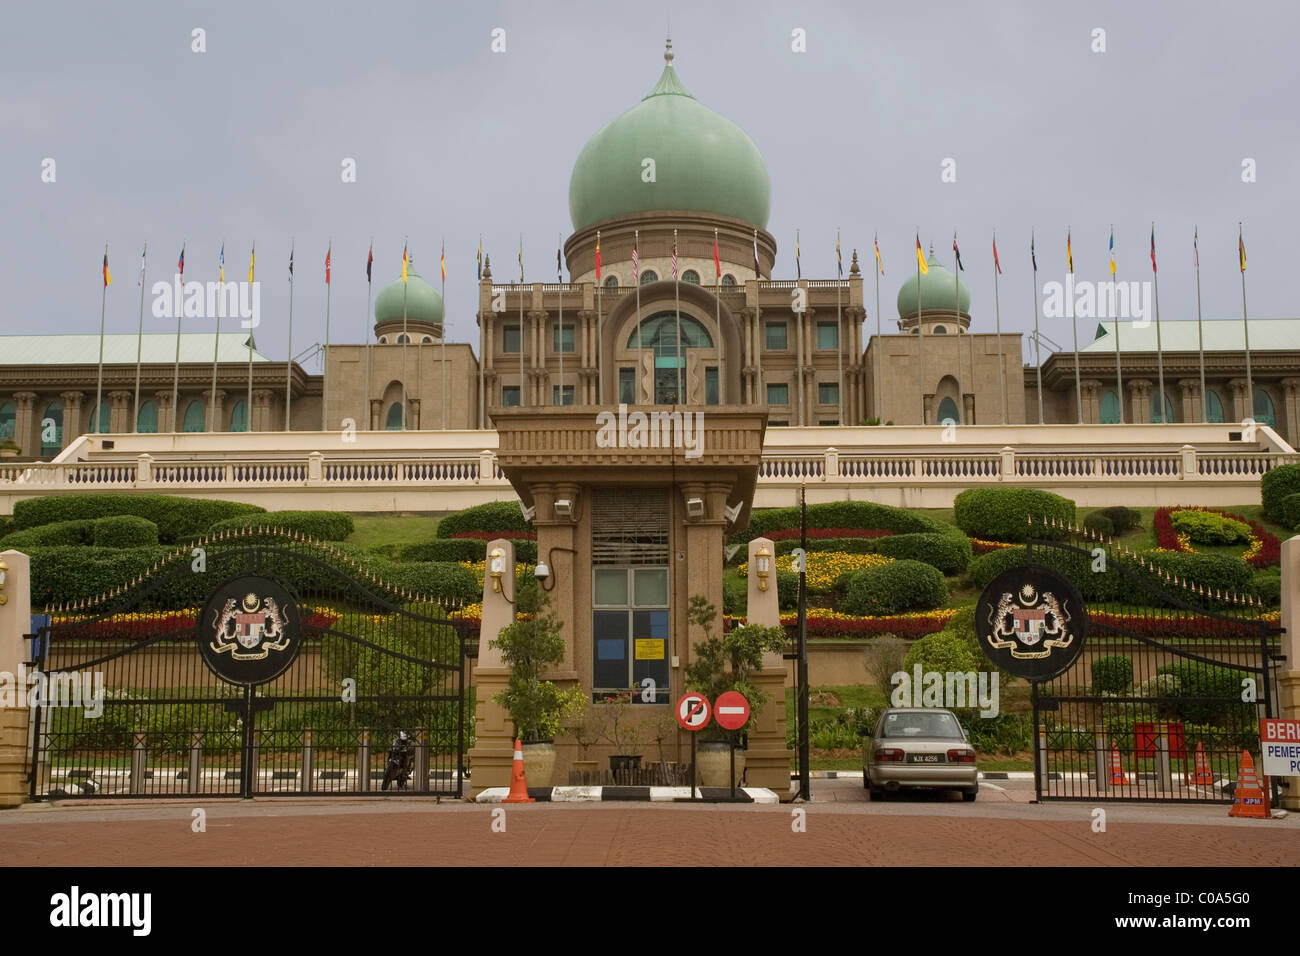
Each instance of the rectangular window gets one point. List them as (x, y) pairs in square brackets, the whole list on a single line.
[(510, 338), (562, 338), (773, 423), (510, 395), (561, 398), (828, 393), (776, 337), (627, 386), (778, 395), (831, 421), (828, 337), (710, 386)]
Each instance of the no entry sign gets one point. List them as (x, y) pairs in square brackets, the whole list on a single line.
[(693, 711), (731, 710)]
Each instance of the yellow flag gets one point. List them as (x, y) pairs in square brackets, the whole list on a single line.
[(920, 258), (252, 261), (405, 259)]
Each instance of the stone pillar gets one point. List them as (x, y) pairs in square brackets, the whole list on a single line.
[(166, 413), (71, 415), (968, 408), (1242, 407), (376, 410), (412, 413), (119, 415), (25, 436), (1189, 395), (261, 420), (1291, 405), (1140, 396), (767, 762), (1090, 389), (1289, 677), (216, 402), (15, 620), (493, 750)]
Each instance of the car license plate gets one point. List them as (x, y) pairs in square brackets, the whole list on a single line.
[(925, 758)]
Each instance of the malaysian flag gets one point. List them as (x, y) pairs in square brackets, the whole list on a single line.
[(757, 274), (674, 253), (636, 262)]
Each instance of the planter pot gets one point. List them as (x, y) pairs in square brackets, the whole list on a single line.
[(713, 759), (539, 764), (624, 762), (9, 452), (584, 771)]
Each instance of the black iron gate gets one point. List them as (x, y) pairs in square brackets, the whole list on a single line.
[(1167, 691), (138, 698)]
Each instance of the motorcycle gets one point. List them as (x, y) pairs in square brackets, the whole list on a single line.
[(401, 760)]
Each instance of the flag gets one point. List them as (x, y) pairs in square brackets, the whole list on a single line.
[(1112, 250), (1069, 253), (370, 261), (920, 258), (597, 255), (521, 257), (108, 278), (405, 260), (997, 265), (1241, 250), (798, 273), (1153, 247), (221, 266), (1032, 258), (674, 253), (757, 274), (957, 252), (290, 264), (636, 263), (180, 263), (839, 258), (879, 262), (1196, 253), (559, 268), (717, 263), (252, 259), (479, 259), (328, 250), (140, 279), (442, 261)]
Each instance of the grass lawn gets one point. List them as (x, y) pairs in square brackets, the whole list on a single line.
[(373, 531)]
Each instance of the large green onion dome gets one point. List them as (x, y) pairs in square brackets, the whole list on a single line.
[(423, 303), (703, 162), (937, 294)]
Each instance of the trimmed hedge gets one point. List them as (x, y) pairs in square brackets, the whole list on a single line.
[(1122, 518), (942, 651), (177, 518), (949, 552), (866, 515), (893, 588), (1099, 523), (321, 525), (81, 531), (1003, 514), (462, 549), (493, 516), (1112, 674), (1289, 509), (124, 531), (1274, 487), (1207, 527)]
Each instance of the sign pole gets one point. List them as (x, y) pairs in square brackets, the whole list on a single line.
[(731, 738), (693, 790)]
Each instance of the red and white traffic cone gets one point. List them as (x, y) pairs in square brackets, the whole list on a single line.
[(518, 783)]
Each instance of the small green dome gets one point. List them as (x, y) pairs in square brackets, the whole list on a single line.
[(936, 291), (703, 162), (423, 303)]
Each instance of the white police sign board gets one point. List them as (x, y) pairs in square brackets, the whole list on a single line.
[(1279, 742)]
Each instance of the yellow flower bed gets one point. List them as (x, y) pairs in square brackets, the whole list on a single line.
[(478, 567), (825, 567)]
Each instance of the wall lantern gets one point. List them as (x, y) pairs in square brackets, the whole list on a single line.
[(763, 565), (496, 567)]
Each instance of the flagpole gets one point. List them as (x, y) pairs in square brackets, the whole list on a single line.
[(99, 384), (920, 326), (365, 409), (600, 366), (406, 265), (1245, 327), (997, 319), (717, 306), (176, 377), (677, 305), (956, 307), (1038, 362), (1200, 331), (640, 344), (559, 332), (288, 366), (442, 372), (325, 393), (139, 342), (482, 347), (798, 339), (1114, 298), (216, 344), (1074, 323), (759, 339), (252, 260), (839, 325), (1160, 358), (879, 341), (522, 387)]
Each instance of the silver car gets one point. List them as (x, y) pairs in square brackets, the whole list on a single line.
[(919, 747)]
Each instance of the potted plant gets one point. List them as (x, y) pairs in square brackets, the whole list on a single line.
[(620, 731), (585, 730), (721, 664), (9, 449), (537, 707)]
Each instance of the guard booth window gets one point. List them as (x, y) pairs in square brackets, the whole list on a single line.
[(630, 614)]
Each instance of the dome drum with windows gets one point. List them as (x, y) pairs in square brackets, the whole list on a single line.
[(412, 309)]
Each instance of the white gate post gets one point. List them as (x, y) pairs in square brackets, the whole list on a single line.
[(1288, 680), (15, 621)]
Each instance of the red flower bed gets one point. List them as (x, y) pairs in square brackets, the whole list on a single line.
[(145, 627), (786, 533), (1177, 628), (1270, 552), (489, 535)]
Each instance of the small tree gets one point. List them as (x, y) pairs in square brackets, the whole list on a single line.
[(727, 662), (537, 707), (625, 737)]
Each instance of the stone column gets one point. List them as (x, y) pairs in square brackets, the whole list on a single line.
[(1291, 404), (120, 412), (216, 409), (166, 414), (493, 751), (376, 410), (24, 434), (71, 415), (1140, 397), (261, 419), (968, 408), (767, 762), (1189, 394), (15, 621), (1241, 406), (413, 413)]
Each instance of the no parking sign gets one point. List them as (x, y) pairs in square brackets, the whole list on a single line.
[(693, 711)]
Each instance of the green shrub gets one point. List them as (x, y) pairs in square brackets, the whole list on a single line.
[(1209, 694), (1289, 510), (735, 596), (124, 531), (1098, 523), (895, 587), (1112, 674), (1005, 734), (1123, 519), (864, 515), (81, 531), (444, 549), (1206, 570), (1206, 527), (1274, 487), (493, 516), (177, 518), (321, 525), (787, 590), (1267, 586), (943, 651), (949, 551), (1003, 514)]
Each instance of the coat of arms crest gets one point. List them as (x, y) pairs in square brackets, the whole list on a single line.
[(249, 630)]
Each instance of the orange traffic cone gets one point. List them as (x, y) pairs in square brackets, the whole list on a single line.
[(1117, 778), (1200, 775), (518, 783), (1248, 799)]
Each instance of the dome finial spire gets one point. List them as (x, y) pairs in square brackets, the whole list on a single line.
[(668, 50)]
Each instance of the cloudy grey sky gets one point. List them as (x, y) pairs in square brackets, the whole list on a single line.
[(244, 142)]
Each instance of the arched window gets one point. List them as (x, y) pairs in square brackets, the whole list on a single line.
[(1155, 410), (194, 417), (1109, 407), (52, 430), (1213, 405), (403, 339), (940, 330), (648, 276), (383, 340), (948, 412), (101, 421), (659, 334), (393, 422), (146, 423), (239, 416), (1264, 412), (427, 340), (611, 282), (7, 419), (691, 276), (728, 279)]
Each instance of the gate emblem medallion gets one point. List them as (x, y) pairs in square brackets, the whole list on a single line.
[(1031, 622), (249, 631)]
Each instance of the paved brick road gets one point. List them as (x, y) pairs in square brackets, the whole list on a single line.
[(840, 830)]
